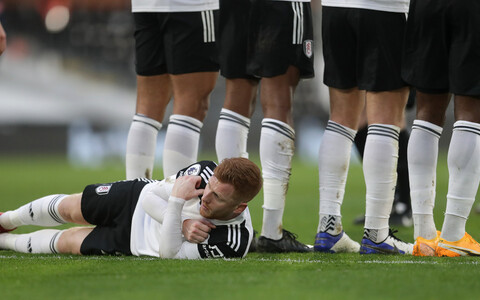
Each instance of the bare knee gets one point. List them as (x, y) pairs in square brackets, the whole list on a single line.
[(192, 92), (71, 240), (70, 209), (432, 107), (195, 107)]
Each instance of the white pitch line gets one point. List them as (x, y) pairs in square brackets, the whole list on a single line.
[(329, 261), (287, 260), (106, 257)]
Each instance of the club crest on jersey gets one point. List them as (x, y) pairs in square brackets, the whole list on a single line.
[(193, 170), (103, 189), (308, 48)]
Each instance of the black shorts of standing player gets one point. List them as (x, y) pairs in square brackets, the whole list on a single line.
[(280, 35), (175, 43), (110, 207), (358, 52), (232, 38), (442, 53)]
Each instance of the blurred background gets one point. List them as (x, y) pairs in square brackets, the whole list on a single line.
[(67, 85)]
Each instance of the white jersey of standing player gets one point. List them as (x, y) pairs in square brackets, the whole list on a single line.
[(400, 6), (173, 5)]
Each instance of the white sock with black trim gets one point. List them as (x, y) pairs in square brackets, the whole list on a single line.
[(277, 145), (464, 178), (40, 212), (333, 162), (141, 144), (380, 172), (181, 143), (422, 156), (42, 241), (232, 134)]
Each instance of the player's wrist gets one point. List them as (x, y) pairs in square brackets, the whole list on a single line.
[(178, 200)]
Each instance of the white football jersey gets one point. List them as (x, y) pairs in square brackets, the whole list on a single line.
[(229, 239), (173, 5), (400, 6)]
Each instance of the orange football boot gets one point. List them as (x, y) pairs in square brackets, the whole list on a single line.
[(466, 246), (424, 247)]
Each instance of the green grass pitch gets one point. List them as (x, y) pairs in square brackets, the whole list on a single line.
[(259, 276)]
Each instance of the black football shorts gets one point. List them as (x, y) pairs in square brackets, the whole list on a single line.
[(110, 207), (175, 43), (280, 35), (442, 47), (362, 48), (232, 38)]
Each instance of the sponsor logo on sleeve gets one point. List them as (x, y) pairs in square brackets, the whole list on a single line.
[(193, 170), (212, 251)]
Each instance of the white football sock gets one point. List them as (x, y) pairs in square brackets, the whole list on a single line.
[(141, 144), (232, 135), (41, 241), (40, 212), (380, 172), (333, 162), (277, 145), (464, 178), (422, 156), (181, 143)]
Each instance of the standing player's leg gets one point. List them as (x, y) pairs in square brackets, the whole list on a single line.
[(153, 95), (241, 89), (428, 72), (464, 179), (385, 116), (191, 98), (377, 70), (346, 107), (277, 145), (402, 210), (347, 103), (234, 122), (464, 150), (422, 165), (192, 62), (280, 52), (437, 76)]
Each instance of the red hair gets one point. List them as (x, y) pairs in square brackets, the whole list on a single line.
[(243, 174)]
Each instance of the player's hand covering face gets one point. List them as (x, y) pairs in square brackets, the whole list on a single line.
[(185, 187)]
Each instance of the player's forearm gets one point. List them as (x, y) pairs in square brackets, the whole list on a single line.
[(171, 232)]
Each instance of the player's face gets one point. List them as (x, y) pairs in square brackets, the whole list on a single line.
[(218, 201)]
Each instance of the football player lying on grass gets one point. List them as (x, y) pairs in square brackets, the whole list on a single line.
[(201, 212)]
